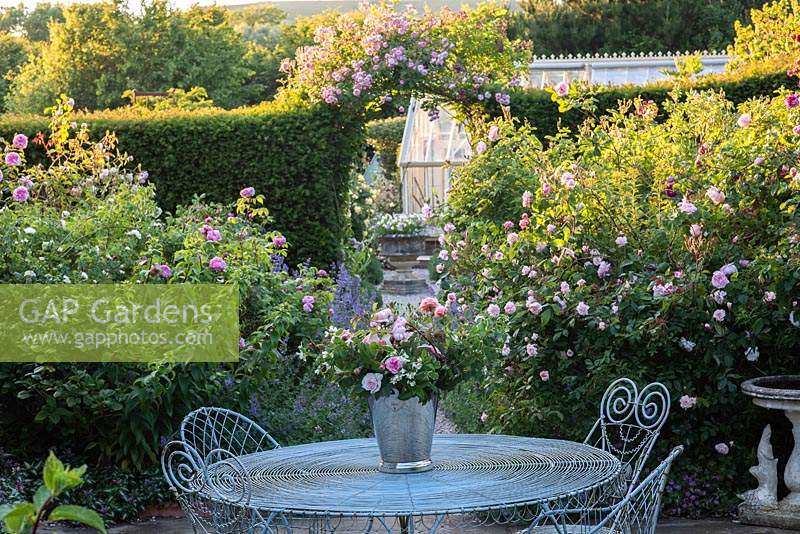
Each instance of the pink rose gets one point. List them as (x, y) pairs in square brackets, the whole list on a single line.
[(582, 308), (480, 148), (687, 207), (440, 311), (546, 188), (494, 133), (744, 120), (621, 241), (394, 364), (716, 196), (213, 235), (279, 241), (544, 375), (696, 230), (719, 279), (493, 310), (561, 88), (20, 141), (604, 269), (20, 194), (383, 316), (217, 264), (428, 305), (247, 192), (512, 238), (568, 180), (722, 448), (13, 159), (510, 308), (372, 382), (687, 402), (719, 315), (527, 198), (308, 303)]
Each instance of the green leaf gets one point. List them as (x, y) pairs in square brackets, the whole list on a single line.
[(59, 479), (78, 514), (5, 509), (40, 497), (20, 519), (52, 468)]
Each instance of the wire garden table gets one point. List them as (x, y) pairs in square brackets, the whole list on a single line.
[(477, 480)]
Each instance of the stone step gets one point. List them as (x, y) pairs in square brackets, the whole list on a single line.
[(405, 282)]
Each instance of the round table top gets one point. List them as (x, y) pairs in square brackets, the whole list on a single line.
[(471, 473)]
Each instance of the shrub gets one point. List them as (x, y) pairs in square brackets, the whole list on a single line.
[(370, 58), (298, 156), (659, 250), (535, 105), (771, 34), (385, 136), (88, 218), (597, 26)]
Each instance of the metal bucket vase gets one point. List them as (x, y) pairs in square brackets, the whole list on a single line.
[(404, 430)]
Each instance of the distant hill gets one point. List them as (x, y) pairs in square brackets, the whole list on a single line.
[(304, 8)]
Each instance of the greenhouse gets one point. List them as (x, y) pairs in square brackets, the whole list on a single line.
[(431, 149)]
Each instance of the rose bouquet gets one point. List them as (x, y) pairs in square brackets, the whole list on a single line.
[(417, 354)]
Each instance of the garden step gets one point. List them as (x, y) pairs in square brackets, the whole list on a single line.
[(405, 282)]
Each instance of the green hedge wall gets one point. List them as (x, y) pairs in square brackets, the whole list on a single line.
[(298, 156), (536, 107)]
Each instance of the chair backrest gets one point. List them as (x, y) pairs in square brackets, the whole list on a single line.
[(213, 491), (593, 513), (638, 511), (630, 422), (207, 430)]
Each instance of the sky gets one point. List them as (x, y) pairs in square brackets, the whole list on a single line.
[(178, 3)]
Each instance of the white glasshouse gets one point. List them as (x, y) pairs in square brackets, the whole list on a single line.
[(430, 150)]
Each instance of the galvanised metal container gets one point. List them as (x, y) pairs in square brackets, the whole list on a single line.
[(404, 430)]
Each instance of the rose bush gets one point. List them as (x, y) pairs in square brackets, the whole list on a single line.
[(87, 216), (378, 54), (659, 250)]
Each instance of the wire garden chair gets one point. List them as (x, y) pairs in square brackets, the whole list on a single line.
[(636, 513), (205, 473), (629, 424), (209, 429)]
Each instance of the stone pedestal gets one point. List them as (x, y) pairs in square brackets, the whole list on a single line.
[(760, 506)]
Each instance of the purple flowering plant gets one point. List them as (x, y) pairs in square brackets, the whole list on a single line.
[(379, 54)]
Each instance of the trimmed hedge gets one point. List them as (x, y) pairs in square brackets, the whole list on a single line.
[(385, 137), (300, 157), (536, 107)]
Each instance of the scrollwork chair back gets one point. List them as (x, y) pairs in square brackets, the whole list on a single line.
[(208, 429), (636, 513), (213, 491), (629, 424)]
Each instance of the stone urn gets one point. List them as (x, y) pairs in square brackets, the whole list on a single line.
[(761, 506)]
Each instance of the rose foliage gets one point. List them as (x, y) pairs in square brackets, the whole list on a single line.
[(88, 216), (371, 57), (659, 250)]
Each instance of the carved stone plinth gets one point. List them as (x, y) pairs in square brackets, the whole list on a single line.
[(761, 506)]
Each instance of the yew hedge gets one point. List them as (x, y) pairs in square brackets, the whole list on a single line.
[(299, 156)]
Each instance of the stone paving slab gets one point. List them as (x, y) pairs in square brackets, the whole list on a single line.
[(180, 526)]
